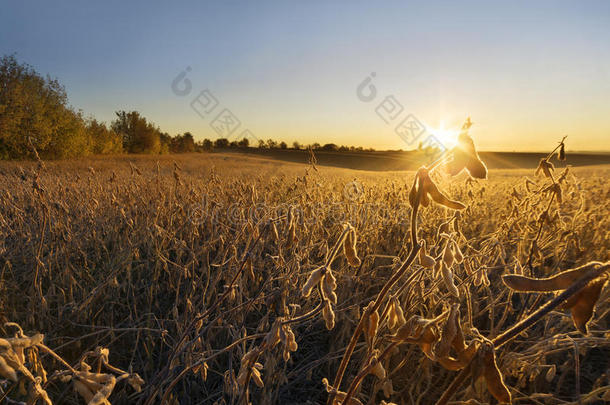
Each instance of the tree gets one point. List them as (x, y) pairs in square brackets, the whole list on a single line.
[(104, 140), (221, 143), (330, 147), (139, 135), (182, 143), (244, 143), (261, 144), (207, 145), (35, 109), (166, 142), (271, 144), (296, 145), (188, 142), (315, 146), (283, 145)]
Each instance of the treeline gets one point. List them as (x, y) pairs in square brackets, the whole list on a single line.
[(35, 116), (224, 143)]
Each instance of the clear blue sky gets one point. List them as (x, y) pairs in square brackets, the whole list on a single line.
[(526, 72)]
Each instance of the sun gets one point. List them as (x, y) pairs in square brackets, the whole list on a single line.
[(447, 136)]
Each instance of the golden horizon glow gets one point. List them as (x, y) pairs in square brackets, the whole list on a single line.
[(447, 136)]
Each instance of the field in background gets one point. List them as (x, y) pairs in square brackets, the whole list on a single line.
[(125, 252), (411, 160)]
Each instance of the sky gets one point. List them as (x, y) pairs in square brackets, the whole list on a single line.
[(527, 73)]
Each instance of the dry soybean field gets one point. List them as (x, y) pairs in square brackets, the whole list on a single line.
[(223, 279)]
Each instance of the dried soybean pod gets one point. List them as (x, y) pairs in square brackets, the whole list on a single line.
[(313, 280), (396, 317), (448, 280), (448, 257), (329, 285), (425, 261), (413, 191), (329, 315), (458, 342), (349, 248), (493, 376), (372, 324), (457, 253), (448, 333), (561, 155)]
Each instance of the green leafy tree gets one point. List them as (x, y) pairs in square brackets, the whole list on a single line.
[(104, 140), (33, 108), (139, 135)]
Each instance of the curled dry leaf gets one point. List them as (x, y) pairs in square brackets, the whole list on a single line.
[(7, 371), (465, 156), (101, 396), (464, 358), (493, 376), (546, 168), (377, 368), (557, 282), (581, 304), (420, 331), (430, 190), (448, 333), (339, 395)]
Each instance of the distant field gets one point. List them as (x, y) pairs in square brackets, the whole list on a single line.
[(388, 161)]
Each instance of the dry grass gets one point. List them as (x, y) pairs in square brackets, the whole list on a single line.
[(190, 270)]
